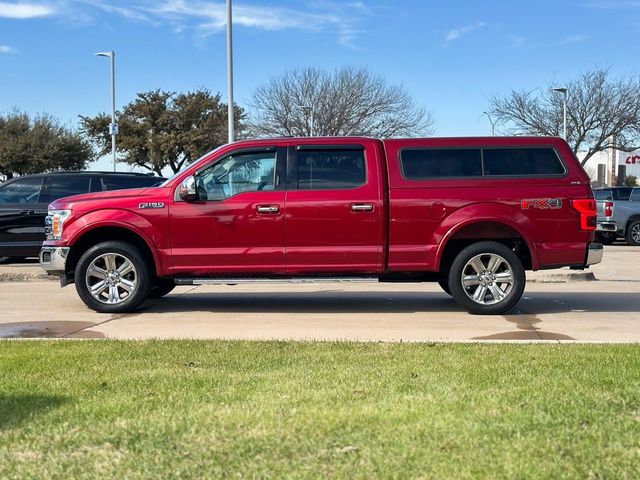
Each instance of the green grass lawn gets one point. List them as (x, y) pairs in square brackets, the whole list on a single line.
[(180, 409)]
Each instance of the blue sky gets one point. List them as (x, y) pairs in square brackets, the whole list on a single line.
[(450, 55)]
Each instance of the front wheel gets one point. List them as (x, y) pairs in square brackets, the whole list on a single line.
[(162, 287), (113, 277), (487, 278), (633, 233)]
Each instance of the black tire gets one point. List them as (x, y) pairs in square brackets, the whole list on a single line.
[(633, 233), (141, 277), (162, 287), (508, 267), (444, 284), (605, 238)]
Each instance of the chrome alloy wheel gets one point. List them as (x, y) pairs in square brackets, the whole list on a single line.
[(487, 278), (111, 278), (635, 233)]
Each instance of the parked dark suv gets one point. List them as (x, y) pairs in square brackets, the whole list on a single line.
[(24, 201)]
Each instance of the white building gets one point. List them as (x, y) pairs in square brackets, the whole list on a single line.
[(611, 159)]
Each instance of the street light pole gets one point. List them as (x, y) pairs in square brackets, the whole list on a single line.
[(230, 72), (493, 125), (563, 91), (310, 107), (113, 127)]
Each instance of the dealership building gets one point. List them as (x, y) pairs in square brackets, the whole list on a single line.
[(608, 163)]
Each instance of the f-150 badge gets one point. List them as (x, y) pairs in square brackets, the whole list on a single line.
[(151, 205), (541, 203)]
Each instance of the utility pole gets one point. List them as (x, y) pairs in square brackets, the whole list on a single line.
[(113, 127), (230, 72)]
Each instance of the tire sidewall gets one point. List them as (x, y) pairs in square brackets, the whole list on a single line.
[(455, 275), (127, 250), (629, 238)]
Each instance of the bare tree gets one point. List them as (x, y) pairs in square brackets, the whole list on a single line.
[(602, 113), (348, 101)]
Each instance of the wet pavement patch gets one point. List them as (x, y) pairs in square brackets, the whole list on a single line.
[(47, 329)]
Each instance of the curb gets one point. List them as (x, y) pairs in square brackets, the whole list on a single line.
[(560, 277), (26, 277)]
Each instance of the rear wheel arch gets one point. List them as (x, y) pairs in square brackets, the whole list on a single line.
[(468, 233)]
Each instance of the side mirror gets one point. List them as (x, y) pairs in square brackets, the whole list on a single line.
[(187, 190)]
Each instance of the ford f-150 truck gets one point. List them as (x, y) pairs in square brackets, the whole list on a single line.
[(469, 213)]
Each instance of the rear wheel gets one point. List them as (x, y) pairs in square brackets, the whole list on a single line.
[(633, 233), (487, 278), (113, 277)]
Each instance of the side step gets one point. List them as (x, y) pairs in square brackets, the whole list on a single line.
[(235, 281)]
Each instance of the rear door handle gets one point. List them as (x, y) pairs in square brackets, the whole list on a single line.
[(362, 207), (268, 209)]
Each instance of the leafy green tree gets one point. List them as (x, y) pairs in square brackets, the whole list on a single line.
[(164, 129), (39, 144)]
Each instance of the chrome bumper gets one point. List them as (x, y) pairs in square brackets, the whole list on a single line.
[(594, 254), (607, 227), (54, 259)]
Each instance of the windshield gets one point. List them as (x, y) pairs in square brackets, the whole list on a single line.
[(172, 177)]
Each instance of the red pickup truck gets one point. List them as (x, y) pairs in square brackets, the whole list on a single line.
[(469, 213)]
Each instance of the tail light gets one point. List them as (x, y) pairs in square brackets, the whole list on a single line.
[(608, 209), (588, 211)]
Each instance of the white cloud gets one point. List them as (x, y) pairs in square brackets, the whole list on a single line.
[(456, 33), (24, 11), (207, 17), (6, 49)]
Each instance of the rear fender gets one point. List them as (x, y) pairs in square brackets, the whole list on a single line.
[(485, 212)]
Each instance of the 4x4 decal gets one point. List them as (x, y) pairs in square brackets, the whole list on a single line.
[(541, 203)]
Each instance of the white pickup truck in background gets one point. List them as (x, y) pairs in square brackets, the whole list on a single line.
[(618, 214)]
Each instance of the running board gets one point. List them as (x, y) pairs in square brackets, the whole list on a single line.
[(235, 281)]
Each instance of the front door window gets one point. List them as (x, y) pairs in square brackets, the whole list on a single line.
[(249, 172)]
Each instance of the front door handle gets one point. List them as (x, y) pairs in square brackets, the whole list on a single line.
[(362, 207), (268, 209)]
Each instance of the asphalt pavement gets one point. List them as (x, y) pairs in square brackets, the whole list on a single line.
[(601, 305)]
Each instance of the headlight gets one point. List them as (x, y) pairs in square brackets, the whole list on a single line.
[(54, 224)]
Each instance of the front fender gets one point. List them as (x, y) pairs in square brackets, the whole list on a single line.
[(117, 218), (485, 212)]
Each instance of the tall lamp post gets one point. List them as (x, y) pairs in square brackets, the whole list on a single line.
[(230, 72), (563, 91), (493, 124), (113, 127), (310, 108)]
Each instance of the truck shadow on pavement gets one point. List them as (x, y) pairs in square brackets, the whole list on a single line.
[(334, 301), (326, 301)]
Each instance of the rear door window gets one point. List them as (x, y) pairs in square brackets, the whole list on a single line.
[(22, 191), (65, 186), (115, 182), (521, 162), (426, 163), (336, 169), (622, 193)]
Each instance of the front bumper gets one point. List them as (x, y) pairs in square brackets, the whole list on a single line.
[(594, 254), (54, 260)]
